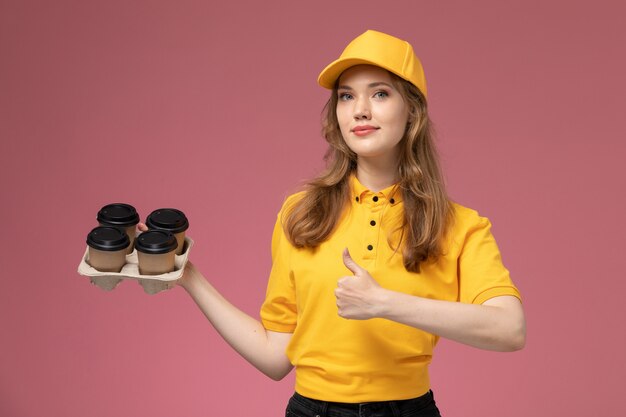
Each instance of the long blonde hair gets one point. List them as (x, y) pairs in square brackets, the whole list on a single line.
[(427, 209)]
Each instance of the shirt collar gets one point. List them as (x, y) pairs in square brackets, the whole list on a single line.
[(392, 194)]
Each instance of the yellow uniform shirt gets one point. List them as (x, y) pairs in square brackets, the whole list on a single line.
[(372, 360)]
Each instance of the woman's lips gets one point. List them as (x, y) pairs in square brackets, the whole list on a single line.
[(364, 130)]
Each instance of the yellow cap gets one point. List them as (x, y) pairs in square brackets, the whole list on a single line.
[(382, 50)]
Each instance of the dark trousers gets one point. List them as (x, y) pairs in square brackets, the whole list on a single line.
[(423, 406)]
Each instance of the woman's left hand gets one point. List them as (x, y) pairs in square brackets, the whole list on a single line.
[(357, 294)]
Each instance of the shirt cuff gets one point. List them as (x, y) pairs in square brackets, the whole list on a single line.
[(496, 292), (278, 327)]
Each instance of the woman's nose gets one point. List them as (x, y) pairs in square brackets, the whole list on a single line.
[(362, 110)]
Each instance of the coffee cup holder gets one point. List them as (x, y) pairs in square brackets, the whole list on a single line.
[(151, 284)]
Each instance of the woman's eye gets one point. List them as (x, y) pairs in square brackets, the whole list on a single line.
[(381, 94), (344, 96)]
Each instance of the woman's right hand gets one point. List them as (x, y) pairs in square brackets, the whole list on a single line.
[(191, 275)]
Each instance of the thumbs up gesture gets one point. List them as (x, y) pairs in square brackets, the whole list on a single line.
[(357, 294)]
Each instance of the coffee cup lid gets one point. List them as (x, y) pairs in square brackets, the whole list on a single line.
[(118, 215), (156, 242), (107, 239), (169, 219)]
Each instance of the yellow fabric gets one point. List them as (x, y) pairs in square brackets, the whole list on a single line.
[(372, 360)]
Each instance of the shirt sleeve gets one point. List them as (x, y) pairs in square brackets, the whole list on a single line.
[(482, 275), (279, 311)]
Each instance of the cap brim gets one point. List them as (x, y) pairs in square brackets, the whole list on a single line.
[(329, 75)]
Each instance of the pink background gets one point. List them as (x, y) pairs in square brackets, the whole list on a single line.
[(213, 108)]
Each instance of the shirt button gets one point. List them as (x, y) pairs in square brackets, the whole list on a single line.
[(370, 247), (373, 222), (375, 198)]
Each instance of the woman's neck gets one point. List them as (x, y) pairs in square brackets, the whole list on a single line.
[(376, 176)]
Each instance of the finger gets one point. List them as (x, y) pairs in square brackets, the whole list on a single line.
[(142, 227), (344, 281), (350, 264)]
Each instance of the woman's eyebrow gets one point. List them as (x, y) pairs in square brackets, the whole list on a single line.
[(371, 85), (378, 84)]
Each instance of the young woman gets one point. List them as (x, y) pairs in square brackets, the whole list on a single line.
[(372, 262)]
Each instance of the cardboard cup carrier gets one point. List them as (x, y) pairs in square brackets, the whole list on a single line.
[(154, 262)]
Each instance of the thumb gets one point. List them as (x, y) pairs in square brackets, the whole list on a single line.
[(350, 263)]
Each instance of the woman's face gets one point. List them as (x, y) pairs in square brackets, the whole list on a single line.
[(372, 114)]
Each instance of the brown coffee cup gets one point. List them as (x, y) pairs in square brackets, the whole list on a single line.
[(171, 220), (122, 216), (156, 252), (107, 249)]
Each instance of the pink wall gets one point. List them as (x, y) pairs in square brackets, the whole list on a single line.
[(213, 108)]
